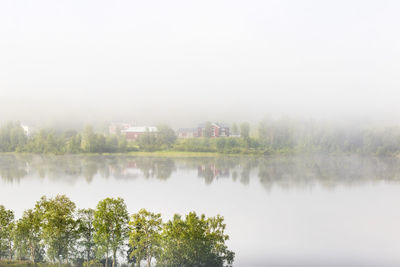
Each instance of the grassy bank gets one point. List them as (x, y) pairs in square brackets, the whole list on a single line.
[(172, 154), (169, 154), (14, 263)]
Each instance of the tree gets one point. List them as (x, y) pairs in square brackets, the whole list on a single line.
[(166, 136), (195, 241), (7, 225), (88, 142), (122, 144), (144, 236), (148, 141), (245, 130), (110, 224), (221, 144), (208, 130), (73, 143), (235, 129), (86, 233), (59, 227), (12, 137), (28, 233)]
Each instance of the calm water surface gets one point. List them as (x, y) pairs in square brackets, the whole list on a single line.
[(280, 211)]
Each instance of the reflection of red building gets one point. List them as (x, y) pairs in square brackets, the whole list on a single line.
[(131, 164), (213, 171)]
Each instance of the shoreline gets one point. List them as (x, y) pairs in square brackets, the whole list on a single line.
[(187, 154)]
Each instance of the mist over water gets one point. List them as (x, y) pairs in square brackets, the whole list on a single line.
[(305, 210), (321, 75)]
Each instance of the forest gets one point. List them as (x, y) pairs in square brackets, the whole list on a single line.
[(268, 137), (55, 232)]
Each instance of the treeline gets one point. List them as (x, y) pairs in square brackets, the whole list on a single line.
[(286, 136), (270, 137), (13, 139), (54, 231)]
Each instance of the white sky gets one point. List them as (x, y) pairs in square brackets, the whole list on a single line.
[(177, 61)]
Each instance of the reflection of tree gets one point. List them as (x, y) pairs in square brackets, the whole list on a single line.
[(12, 170), (212, 171), (70, 168), (160, 168), (283, 172), (89, 169), (327, 171), (221, 167), (246, 169), (234, 176), (165, 167)]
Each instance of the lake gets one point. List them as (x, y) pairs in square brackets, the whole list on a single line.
[(304, 210)]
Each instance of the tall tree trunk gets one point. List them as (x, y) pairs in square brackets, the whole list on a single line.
[(32, 252), (148, 261), (107, 258), (114, 256), (10, 250)]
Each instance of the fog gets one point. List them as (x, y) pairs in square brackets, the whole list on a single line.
[(181, 62)]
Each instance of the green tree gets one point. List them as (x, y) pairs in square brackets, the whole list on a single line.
[(28, 233), (144, 236), (59, 227), (166, 136), (86, 233), (122, 144), (73, 143), (195, 241), (12, 137), (245, 130), (208, 130), (88, 143), (7, 225), (148, 142), (235, 129), (111, 226), (221, 144)]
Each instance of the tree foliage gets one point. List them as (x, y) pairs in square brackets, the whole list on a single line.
[(54, 232), (145, 236), (195, 241), (273, 136), (110, 224), (28, 234), (87, 231), (7, 225), (59, 226)]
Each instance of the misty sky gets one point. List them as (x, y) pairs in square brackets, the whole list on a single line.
[(177, 61)]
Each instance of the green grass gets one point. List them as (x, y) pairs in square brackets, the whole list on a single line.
[(15, 263), (169, 154), (176, 154)]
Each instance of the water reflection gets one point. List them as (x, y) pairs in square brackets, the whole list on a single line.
[(285, 172)]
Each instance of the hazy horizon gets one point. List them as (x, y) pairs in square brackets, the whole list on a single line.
[(180, 62)]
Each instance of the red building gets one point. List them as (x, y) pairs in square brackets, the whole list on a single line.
[(217, 130), (132, 133), (187, 132)]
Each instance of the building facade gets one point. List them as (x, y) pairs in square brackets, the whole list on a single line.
[(216, 130), (133, 133), (187, 132)]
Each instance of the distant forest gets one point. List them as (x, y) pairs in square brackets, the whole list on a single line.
[(269, 137)]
